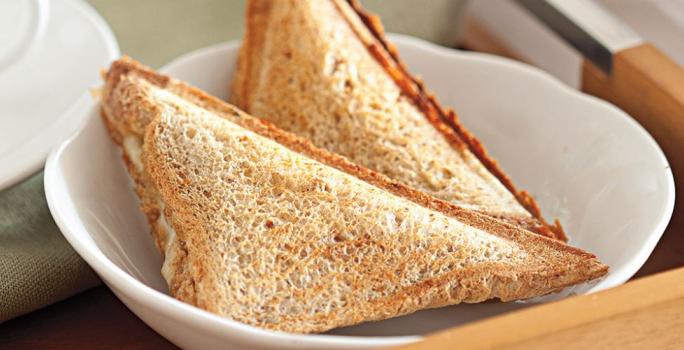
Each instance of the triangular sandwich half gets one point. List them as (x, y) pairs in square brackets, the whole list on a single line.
[(258, 225), (323, 70)]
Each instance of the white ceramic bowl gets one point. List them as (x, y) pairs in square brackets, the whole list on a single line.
[(587, 162)]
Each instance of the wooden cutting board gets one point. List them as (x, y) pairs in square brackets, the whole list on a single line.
[(647, 313)]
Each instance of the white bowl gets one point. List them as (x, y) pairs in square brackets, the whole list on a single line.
[(587, 162)]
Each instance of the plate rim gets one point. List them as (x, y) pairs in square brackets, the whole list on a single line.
[(31, 161), (167, 305)]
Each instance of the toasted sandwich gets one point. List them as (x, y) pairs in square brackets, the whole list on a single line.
[(324, 71), (259, 225)]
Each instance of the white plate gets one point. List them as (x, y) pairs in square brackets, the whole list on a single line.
[(587, 162), (54, 57)]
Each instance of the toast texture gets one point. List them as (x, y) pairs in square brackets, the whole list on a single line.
[(258, 225), (324, 71)]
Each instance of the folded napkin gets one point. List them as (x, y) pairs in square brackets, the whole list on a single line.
[(37, 265)]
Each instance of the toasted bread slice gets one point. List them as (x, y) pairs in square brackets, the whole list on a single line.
[(324, 71), (260, 226)]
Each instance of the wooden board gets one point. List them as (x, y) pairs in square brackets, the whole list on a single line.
[(94, 319), (644, 314)]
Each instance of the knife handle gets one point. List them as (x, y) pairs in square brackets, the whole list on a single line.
[(649, 86)]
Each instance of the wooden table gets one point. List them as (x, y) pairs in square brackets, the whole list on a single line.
[(94, 319)]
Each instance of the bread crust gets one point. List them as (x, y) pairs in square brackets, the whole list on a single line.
[(143, 187), (256, 16), (445, 120)]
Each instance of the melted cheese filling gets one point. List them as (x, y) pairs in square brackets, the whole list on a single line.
[(132, 146), (169, 245)]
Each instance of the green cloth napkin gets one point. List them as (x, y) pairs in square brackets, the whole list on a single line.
[(37, 265)]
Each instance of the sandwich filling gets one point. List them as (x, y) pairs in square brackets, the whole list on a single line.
[(132, 148)]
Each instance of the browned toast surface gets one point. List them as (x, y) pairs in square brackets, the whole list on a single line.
[(324, 70), (263, 227)]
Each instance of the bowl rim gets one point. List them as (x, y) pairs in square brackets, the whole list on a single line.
[(119, 280)]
